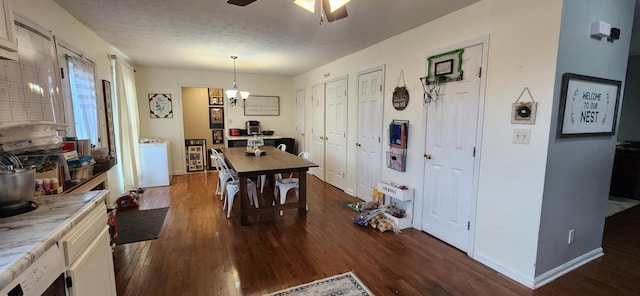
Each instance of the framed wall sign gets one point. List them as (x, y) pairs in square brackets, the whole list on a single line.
[(160, 106), (262, 105), (588, 105)]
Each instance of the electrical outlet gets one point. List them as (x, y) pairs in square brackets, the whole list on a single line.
[(572, 236), (522, 136)]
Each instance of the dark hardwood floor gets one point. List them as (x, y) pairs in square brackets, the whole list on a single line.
[(201, 252)]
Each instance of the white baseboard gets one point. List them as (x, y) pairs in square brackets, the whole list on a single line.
[(544, 278), (524, 280), (563, 269)]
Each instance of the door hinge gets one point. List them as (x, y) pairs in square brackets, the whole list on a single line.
[(378, 139), (61, 73), (380, 87), (468, 225), (480, 72), (69, 282), (474, 151)]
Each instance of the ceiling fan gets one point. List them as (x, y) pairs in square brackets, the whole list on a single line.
[(331, 9)]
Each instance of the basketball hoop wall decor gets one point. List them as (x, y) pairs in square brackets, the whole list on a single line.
[(524, 112), (441, 69), (400, 98)]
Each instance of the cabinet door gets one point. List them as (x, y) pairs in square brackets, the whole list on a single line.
[(8, 43), (92, 273)]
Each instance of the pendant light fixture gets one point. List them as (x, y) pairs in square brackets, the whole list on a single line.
[(232, 93)]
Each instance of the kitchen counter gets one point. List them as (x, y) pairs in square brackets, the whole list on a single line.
[(24, 238)]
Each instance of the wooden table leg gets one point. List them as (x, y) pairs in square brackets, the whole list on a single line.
[(244, 219), (302, 204)]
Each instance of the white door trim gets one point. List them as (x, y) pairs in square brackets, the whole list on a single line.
[(484, 41)]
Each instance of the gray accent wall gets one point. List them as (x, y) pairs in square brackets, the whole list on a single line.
[(630, 120), (578, 173)]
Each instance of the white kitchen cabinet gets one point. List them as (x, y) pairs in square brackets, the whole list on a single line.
[(87, 256), (8, 42)]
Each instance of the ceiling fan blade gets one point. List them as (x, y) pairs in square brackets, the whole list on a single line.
[(339, 13), (240, 2)]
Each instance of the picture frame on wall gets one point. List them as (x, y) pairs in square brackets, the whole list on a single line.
[(108, 108), (216, 118), (218, 136), (160, 106), (588, 105)]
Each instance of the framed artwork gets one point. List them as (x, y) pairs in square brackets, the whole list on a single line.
[(160, 106), (262, 105), (108, 108), (216, 117), (523, 112), (588, 105), (216, 97), (195, 158), (218, 136)]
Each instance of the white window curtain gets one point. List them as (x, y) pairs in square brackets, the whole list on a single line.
[(83, 94), (128, 123)]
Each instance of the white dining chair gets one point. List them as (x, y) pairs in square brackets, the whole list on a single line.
[(284, 185), (233, 187), (282, 147), (223, 175)]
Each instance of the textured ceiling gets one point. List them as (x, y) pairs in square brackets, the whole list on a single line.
[(273, 37)]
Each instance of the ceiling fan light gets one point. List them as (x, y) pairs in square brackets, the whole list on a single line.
[(336, 4), (306, 4)]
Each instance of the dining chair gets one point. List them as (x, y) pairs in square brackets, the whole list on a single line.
[(282, 147), (284, 185), (223, 175), (233, 188)]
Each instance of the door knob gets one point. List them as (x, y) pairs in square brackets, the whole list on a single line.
[(427, 156)]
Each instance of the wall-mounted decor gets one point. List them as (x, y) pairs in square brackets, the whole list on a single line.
[(216, 118), (216, 97), (218, 136), (160, 106), (262, 105), (524, 112), (588, 105), (397, 155), (400, 98), (108, 109), (442, 68)]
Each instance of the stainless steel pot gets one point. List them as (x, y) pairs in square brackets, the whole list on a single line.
[(17, 186)]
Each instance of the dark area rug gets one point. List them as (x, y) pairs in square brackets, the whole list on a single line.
[(139, 225)]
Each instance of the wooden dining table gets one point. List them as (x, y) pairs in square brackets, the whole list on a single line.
[(271, 162)]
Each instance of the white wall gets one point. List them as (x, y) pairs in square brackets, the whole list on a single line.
[(50, 16), (171, 81), (522, 53), (579, 168)]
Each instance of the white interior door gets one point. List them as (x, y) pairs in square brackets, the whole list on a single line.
[(300, 118), (451, 131), (336, 133), (317, 130), (369, 145)]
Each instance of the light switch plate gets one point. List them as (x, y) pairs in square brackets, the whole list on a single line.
[(522, 136)]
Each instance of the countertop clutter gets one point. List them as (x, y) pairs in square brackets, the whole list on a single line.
[(26, 237)]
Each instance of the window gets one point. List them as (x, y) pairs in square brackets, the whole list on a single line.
[(82, 87)]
